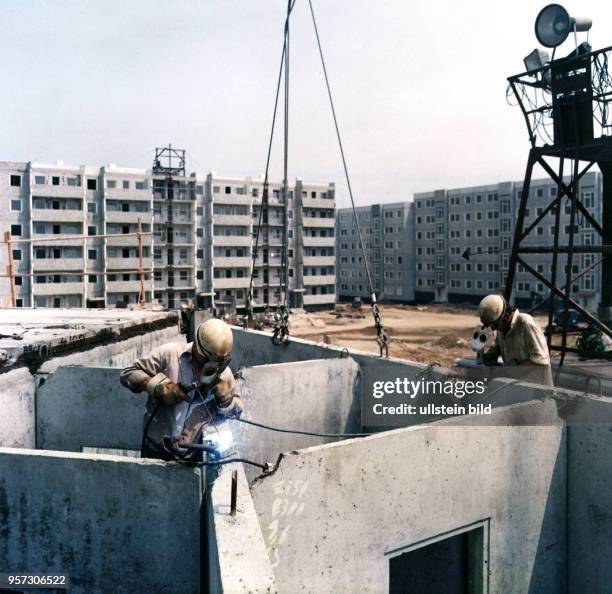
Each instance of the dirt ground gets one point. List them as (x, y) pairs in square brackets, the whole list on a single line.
[(421, 333)]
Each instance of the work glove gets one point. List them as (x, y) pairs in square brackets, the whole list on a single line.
[(228, 404), (160, 386), (223, 393), (489, 358)]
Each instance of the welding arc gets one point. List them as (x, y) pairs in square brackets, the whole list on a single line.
[(297, 432)]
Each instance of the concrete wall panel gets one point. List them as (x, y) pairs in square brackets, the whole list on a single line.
[(17, 387), (87, 407), (113, 524), (116, 354), (321, 396), (237, 558), (590, 509), (17, 409), (331, 515)]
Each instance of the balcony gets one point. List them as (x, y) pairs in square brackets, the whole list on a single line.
[(319, 260), (181, 285), (318, 241), (313, 279), (114, 263), (229, 219), (232, 240), (117, 216), (272, 285), (231, 199), (54, 241), (319, 299), (231, 283), (318, 222), (51, 191), (276, 261), (318, 203), (179, 263), (57, 264), (129, 194), (132, 286), (127, 241), (71, 288), (40, 215), (236, 262)]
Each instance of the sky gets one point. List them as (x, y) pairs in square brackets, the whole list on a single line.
[(419, 87)]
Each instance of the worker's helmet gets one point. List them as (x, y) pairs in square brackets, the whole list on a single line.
[(491, 309), (214, 341)]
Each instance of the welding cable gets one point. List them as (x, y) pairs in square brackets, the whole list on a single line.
[(212, 450), (265, 467), (297, 432)]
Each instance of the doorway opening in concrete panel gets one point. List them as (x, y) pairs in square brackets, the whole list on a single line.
[(452, 563)]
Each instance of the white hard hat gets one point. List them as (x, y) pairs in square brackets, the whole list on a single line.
[(491, 309), (480, 337), (213, 339)]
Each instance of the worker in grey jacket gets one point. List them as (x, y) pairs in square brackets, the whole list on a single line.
[(189, 386), (519, 340)]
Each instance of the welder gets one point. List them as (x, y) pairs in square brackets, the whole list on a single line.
[(519, 340), (189, 386)]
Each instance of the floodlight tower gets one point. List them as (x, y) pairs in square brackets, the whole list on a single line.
[(571, 96)]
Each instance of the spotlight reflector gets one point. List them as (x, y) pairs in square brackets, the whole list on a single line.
[(553, 25), (536, 60)]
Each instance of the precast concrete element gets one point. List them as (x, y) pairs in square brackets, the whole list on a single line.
[(237, 557), (334, 515), (322, 396), (589, 454), (114, 524), (17, 386), (80, 407), (30, 334), (17, 409), (116, 354)]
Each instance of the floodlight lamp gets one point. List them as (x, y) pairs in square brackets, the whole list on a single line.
[(536, 60), (553, 25)]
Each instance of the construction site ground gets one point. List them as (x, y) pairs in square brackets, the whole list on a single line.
[(439, 333)]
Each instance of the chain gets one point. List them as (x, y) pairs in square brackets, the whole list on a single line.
[(381, 336), (281, 325)]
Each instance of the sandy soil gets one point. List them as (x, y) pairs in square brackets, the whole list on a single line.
[(426, 334)]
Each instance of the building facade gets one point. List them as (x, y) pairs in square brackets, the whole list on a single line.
[(442, 225), (387, 231), (197, 244)]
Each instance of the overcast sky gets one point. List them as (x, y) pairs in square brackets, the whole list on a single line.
[(419, 86)]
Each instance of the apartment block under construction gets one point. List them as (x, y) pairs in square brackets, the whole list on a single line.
[(161, 235)]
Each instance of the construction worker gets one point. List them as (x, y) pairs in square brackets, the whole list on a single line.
[(189, 387), (519, 340)]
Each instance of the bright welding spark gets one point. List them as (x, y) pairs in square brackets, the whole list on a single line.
[(222, 440)]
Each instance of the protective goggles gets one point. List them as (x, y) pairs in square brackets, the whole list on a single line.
[(214, 365)]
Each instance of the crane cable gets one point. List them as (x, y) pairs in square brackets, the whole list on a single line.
[(381, 336), (280, 335), (264, 201)]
